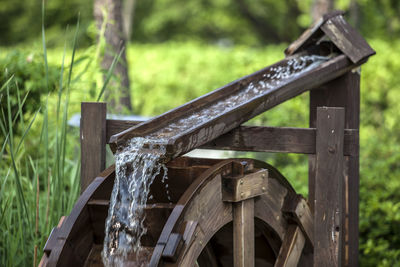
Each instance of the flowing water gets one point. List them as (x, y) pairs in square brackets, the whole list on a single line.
[(140, 160), (136, 168)]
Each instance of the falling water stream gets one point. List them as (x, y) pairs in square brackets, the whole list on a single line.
[(141, 160)]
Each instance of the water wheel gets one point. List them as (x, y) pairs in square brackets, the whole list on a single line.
[(236, 212)]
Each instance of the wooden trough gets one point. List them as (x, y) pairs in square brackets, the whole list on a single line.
[(238, 212)]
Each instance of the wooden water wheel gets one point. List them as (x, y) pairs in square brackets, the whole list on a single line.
[(236, 212)]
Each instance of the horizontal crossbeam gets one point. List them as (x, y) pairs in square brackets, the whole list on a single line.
[(260, 139)]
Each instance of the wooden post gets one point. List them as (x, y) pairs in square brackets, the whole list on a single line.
[(342, 92), (328, 186), (243, 233), (93, 141)]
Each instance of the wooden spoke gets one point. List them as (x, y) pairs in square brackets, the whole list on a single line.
[(243, 233), (292, 247)]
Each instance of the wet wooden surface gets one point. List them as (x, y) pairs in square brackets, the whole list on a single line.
[(209, 130)]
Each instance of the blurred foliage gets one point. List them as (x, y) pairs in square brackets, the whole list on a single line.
[(217, 21), (28, 84), (21, 20)]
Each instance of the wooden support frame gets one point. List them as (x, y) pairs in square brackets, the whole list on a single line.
[(328, 249), (342, 92), (258, 139), (93, 141), (243, 233)]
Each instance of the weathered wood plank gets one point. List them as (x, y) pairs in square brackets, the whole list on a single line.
[(117, 126), (343, 92), (260, 139), (277, 139), (328, 186), (93, 141), (311, 35), (243, 233), (239, 188), (347, 39), (297, 211), (292, 247)]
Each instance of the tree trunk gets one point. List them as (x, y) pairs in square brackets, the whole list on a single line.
[(128, 13), (320, 7), (355, 13), (119, 97)]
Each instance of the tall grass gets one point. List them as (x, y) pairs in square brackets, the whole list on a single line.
[(38, 181)]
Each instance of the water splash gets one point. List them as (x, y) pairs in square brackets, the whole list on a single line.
[(136, 168)]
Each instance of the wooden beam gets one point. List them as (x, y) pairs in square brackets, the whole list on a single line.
[(343, 92), (260, 139), (93, 141), (277, 139), (328, 186), (292, 247), (243, 233)]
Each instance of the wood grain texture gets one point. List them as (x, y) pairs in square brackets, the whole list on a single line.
[(297, 211), (328, 186), (292, 247), (277, 139), (347, 39), (311, 35), (93, 141), (260, 139), (343, 92), (239, 188), (243, 233)]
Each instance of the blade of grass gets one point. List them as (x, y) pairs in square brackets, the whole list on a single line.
[(110, 73), (4, 86)]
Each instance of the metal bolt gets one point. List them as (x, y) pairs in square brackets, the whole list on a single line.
[(242, 194), (241, 181), (263, 188), (263, 175)]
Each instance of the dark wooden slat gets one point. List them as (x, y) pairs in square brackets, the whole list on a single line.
[(343, 92), (277, 139), (117, 126), (328, 186), (311, 35), (261, 139), (93, 141), (243, 233), (347, 39), (292, 247), (297, 211)]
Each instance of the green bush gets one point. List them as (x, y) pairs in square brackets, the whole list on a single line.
[(28, 70)]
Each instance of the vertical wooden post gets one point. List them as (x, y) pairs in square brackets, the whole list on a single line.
[(93, 141), (328, 186), (342, 92), (243, 233)]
